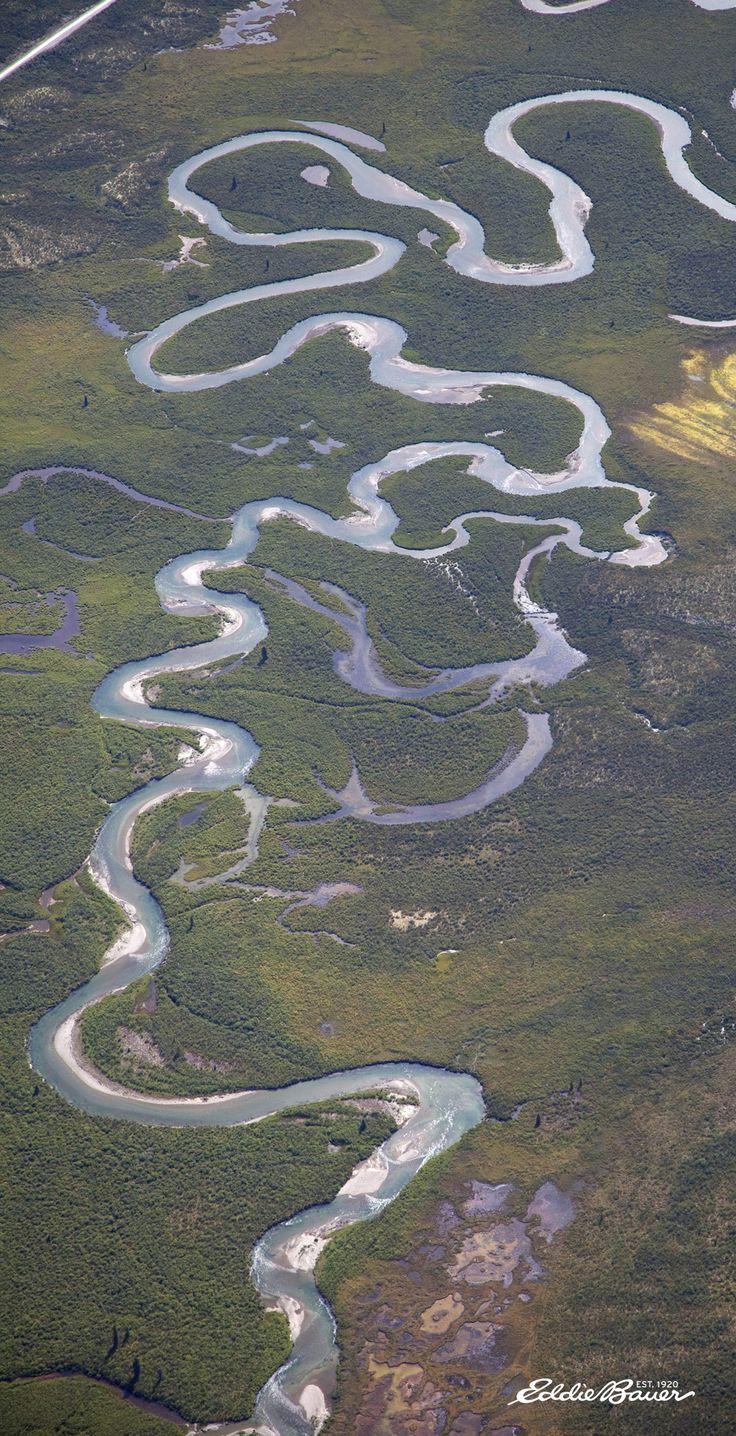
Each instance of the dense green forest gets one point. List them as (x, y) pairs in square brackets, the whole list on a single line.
[(71, 1406)]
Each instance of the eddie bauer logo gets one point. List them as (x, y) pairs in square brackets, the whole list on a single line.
[(614, 1392)]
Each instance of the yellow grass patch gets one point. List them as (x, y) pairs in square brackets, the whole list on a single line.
[(701, 424)]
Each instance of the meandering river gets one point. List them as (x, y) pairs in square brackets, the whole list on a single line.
[(575, 7), (448, 1103)]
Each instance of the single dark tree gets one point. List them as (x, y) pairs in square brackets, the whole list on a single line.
[(537, 1121), (264, 656)]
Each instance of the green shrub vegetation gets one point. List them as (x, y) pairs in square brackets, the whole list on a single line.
[(72, 1406)]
